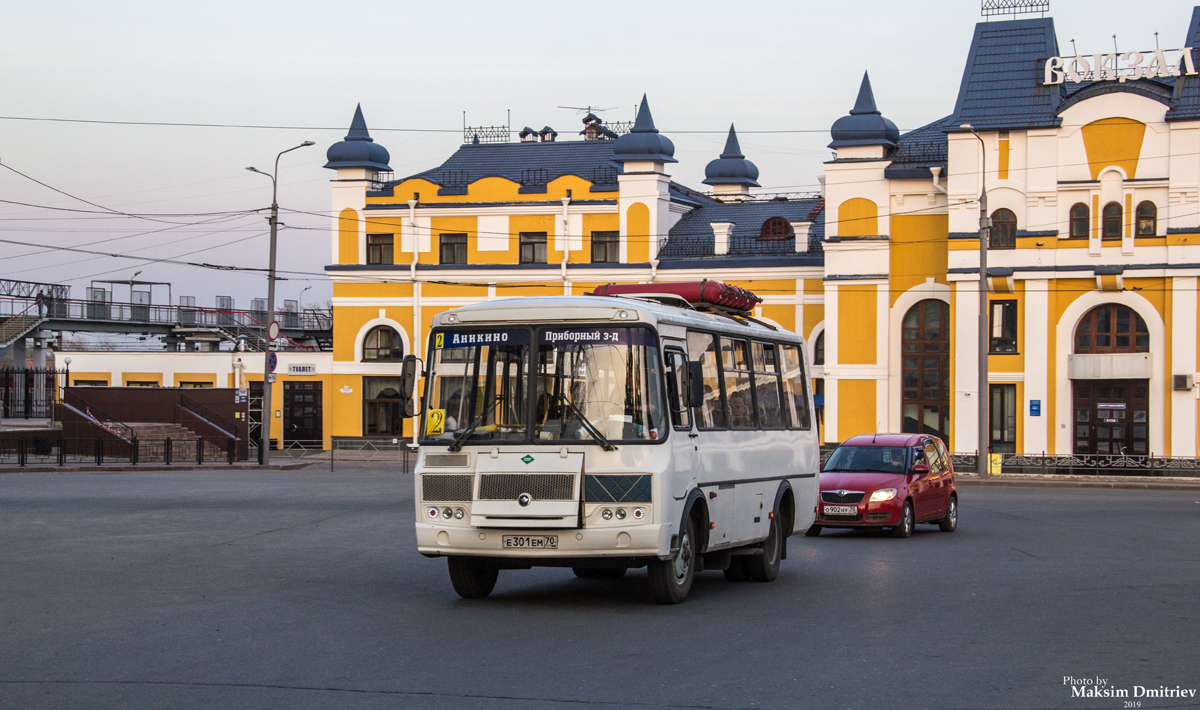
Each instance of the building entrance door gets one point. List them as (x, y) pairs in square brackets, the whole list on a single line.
[(1111, 416), (302, 412), (925, 346)]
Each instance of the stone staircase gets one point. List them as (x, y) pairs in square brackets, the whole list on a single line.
[(152, 438)]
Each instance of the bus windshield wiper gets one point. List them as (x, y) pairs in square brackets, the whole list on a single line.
[(465, 433), (591, 429)]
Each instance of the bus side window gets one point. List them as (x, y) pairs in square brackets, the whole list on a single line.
[(702, 348), (681, 416), (795, 386)]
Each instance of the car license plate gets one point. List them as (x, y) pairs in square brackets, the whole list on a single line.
[(841, 510), (532, 542)]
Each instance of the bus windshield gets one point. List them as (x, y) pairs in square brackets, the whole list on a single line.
[(598, 380), (868, 459), (478, 385)]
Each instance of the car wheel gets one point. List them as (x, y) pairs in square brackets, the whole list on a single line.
[(473, 578), (905, 528), (950, 522), (599, 572), (813, 531), (765, 567), (671, 580), (736, 571)]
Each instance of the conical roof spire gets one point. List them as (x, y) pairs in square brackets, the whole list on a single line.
[(732, 149), (866, 98), (643, 142), (358, 127), (731, 168), (358, 149)]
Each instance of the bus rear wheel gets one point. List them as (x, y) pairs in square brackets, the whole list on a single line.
[(472, 577), (671, 580), (765, 567)]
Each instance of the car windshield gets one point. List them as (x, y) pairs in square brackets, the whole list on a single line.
[(598, 380), (868, 459), (478, 382)]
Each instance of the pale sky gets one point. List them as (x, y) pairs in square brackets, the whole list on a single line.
[(779, 66)]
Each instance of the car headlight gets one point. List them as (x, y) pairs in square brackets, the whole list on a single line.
[(883, 494)]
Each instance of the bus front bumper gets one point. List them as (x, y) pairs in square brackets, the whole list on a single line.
[(629, 541)]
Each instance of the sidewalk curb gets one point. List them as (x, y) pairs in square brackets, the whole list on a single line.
[(152, 468), (1100, 482)]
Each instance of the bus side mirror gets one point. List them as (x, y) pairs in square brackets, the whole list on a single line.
[(695, 384), (408, 377)]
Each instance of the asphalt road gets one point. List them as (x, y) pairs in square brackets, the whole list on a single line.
[(303, 590)]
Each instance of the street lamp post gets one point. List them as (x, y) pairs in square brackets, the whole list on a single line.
[(264, 448), (982, 463)]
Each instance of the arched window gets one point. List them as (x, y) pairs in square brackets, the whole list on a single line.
[(1147, 219), (383, 343), (1004, 230), (819, 350), (776, 229), (1112, 222), (1080, 214), (1112, 328), (925, 353)]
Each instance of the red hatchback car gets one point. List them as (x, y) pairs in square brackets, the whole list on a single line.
[(888, 481)]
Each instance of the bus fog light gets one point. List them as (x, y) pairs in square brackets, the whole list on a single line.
[(606, 514), (620, 513), (458, 514), (638, 513), (447, 513), (433, 512)]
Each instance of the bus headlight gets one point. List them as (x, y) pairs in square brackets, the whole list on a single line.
[(620, 513), (883, 494), (606, 514), (447, 513), (459, 513), (433, 512)]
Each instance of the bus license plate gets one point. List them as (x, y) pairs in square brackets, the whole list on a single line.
[(532, 542), (841, 510)]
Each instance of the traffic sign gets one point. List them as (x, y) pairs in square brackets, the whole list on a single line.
[(272, 361), (273, 330)]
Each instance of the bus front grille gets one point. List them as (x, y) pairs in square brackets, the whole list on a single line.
[(447, 460), (542, 486), (446, 488)]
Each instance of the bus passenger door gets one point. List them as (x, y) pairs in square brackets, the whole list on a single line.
[(683, 437)]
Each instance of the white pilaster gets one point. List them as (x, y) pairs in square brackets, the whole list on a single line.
[(1183, 362), (966, 360), (1035, 346)]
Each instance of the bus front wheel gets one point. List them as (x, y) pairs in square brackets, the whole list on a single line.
[(671, 580), (472, 577)]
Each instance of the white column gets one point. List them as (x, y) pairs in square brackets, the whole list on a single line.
[(1183, 362), (831, 360), (882, 343), (965, 406), (1036, 348)]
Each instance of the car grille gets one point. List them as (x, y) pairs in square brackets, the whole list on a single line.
[(447, 460), (446, 488), (841, 518), (848, 498), (542, 486)]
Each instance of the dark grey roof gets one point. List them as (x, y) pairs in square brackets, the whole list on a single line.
[(358, 149), (692, 236), (687, 196), (731, 168), (1002, 83), (920, 149), (1185, 104), (865, 125), (643, 141), (527, 163)]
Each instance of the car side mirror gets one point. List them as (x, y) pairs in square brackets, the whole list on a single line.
[(695, 384), (919, 469)]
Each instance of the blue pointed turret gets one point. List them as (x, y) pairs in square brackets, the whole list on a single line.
[(865, 125), (731, 168), (643, 141), (358, 149)]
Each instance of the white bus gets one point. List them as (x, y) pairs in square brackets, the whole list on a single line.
[(608, 433)]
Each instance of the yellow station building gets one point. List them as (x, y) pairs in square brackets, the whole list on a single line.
[(1091, 167)]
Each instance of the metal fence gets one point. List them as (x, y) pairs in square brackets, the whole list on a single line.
[(60, 451), (28, 393), (1075, 465)]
